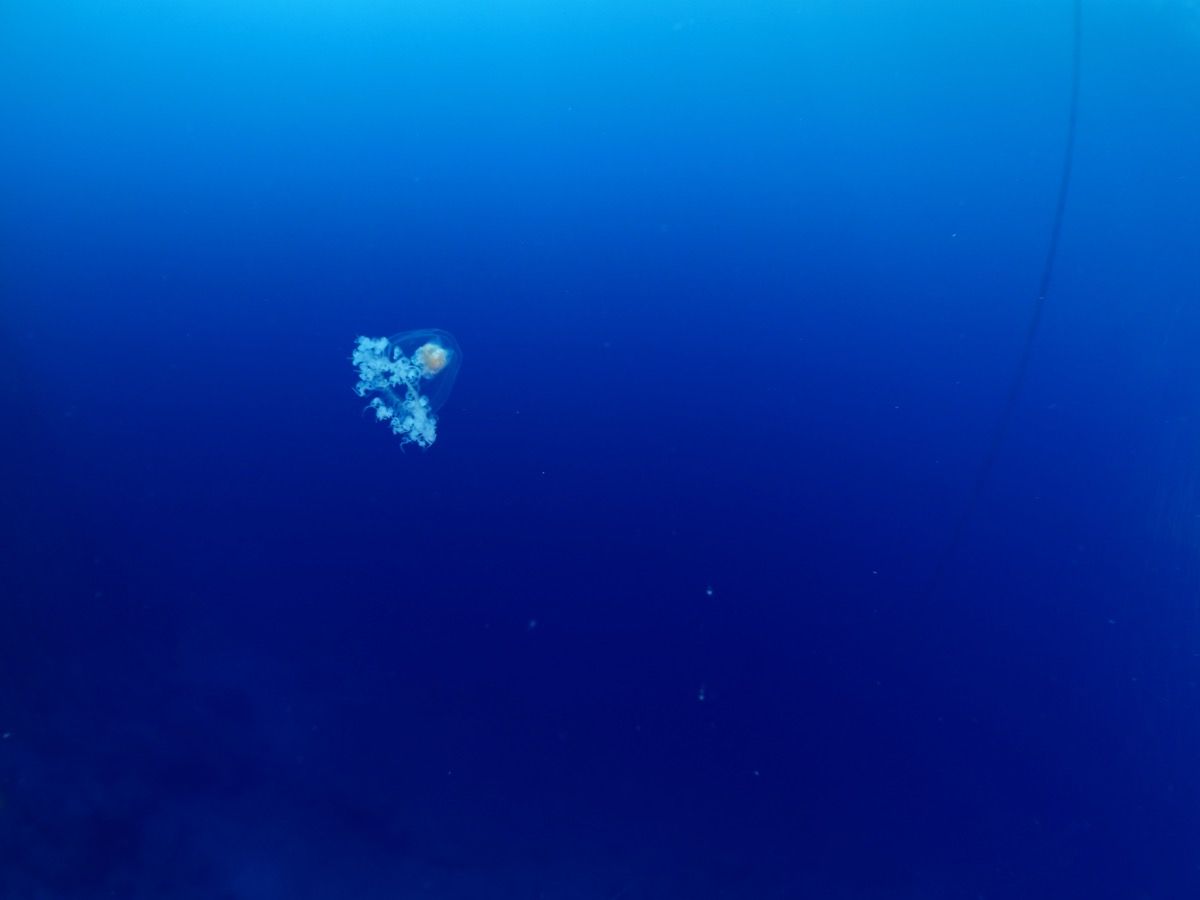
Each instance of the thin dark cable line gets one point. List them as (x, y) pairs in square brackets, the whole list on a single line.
[(1017, 384)]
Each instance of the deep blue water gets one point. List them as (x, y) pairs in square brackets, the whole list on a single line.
[(674, 607)]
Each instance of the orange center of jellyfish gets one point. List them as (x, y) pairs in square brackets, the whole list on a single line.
[(433, 358)]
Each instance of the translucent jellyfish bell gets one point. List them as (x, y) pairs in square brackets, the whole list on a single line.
[(408, 377)]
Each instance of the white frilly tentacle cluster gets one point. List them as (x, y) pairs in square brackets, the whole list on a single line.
[(394, 379)]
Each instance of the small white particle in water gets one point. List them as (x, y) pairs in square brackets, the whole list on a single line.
[(708, 591), (700, 694)]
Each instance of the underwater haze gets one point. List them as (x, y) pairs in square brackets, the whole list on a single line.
[(815, 514)]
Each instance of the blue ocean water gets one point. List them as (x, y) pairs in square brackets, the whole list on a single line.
[(675, 606)]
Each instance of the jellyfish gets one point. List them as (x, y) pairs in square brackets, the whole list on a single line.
[(408, 377)]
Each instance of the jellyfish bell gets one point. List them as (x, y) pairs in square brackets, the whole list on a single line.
[(408, 377), (436, 356)]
